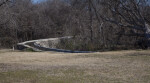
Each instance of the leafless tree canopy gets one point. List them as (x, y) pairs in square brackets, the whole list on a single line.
[(95, 24)]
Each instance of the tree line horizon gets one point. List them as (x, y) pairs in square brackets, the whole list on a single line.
[(95, 24)]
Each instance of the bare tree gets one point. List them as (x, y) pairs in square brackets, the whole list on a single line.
[(126, 13), (2, 2)]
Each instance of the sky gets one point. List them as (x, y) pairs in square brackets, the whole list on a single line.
[(37, 1)]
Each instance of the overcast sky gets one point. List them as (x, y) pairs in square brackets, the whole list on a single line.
[(36, 1)]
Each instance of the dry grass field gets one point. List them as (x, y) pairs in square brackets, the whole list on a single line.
[(49, 67)]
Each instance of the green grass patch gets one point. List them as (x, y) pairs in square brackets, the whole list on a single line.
[(29, 50)]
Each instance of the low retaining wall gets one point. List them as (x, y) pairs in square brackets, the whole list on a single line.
[(47, 45)]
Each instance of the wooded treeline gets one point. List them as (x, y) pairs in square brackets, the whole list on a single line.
[(95, 24)]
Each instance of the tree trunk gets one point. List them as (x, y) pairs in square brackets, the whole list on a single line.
[(147, 34), (90, 22)]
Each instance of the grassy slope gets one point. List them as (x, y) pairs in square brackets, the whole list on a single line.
[(44, 67)]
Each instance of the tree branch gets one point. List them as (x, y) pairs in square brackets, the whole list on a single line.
[(4, 2)]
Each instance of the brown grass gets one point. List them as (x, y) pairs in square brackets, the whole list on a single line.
[(49, 67)]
